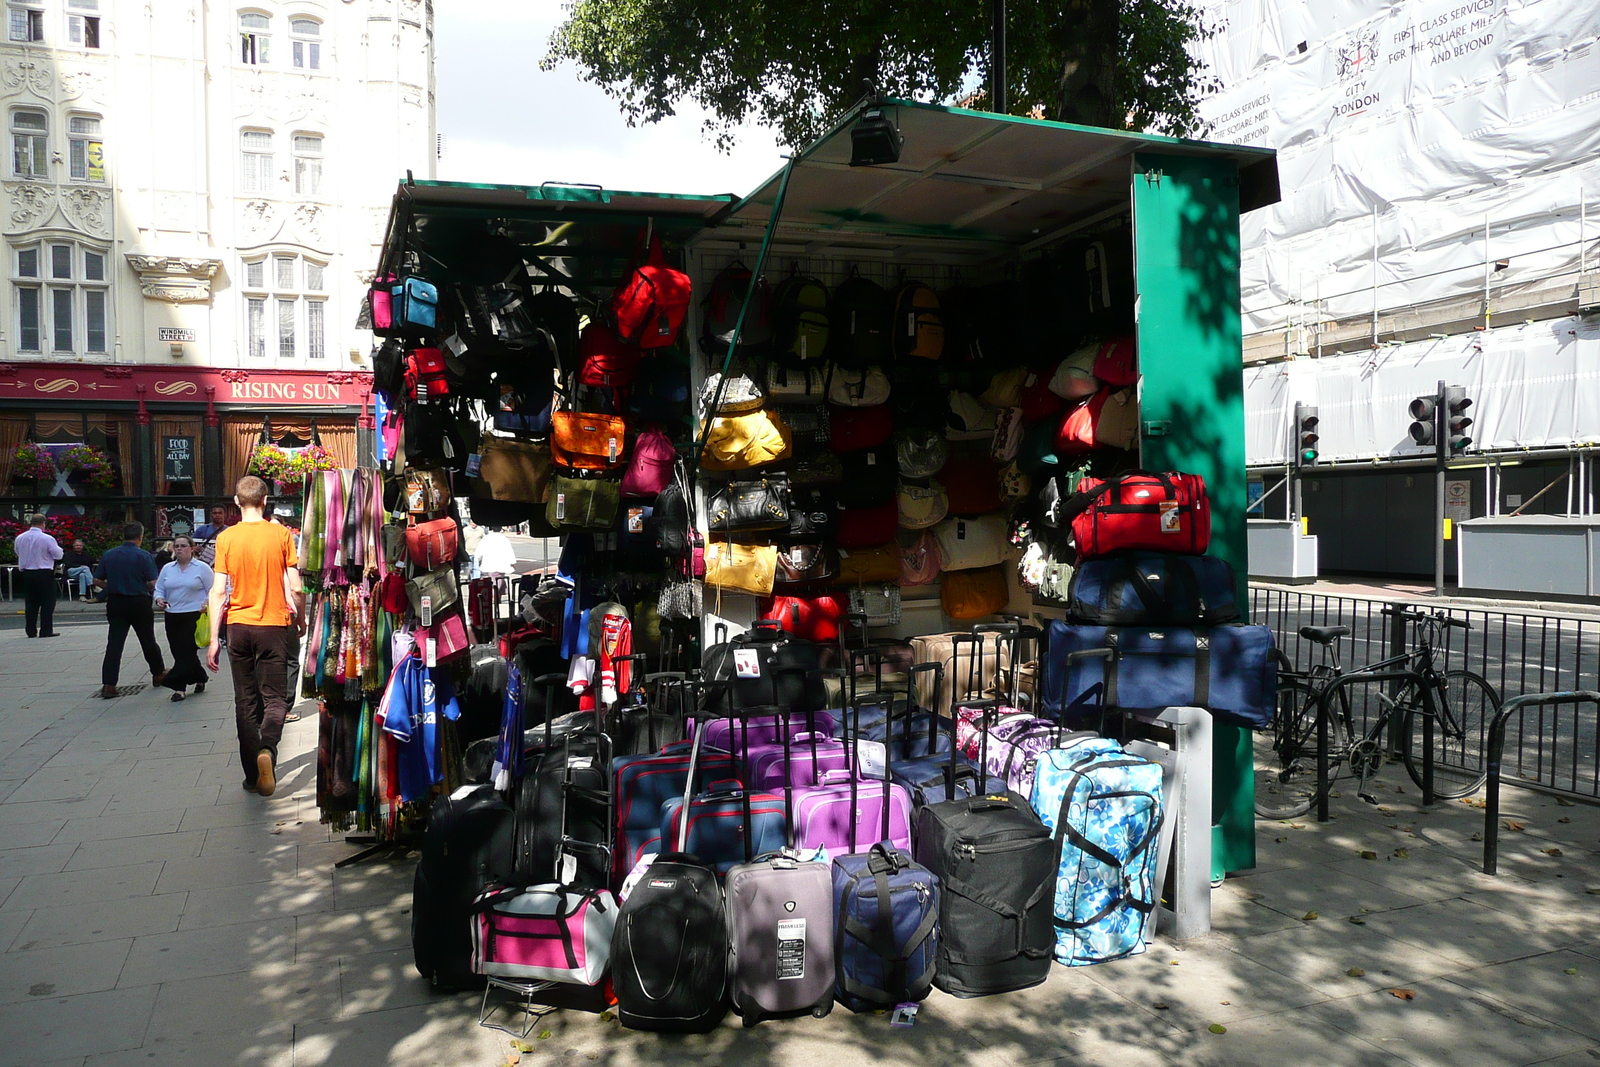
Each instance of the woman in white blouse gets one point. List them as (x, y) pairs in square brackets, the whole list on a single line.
[(181, 591)]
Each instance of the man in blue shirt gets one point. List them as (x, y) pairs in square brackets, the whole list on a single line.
[(128, 575)]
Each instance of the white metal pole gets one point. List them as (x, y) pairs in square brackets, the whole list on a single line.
[(1488, 271), (1374, 276)]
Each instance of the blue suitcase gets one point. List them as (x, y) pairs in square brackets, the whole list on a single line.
[(641, 785), (1229, 670), (886, 950), (717, 821), (1153, 589), (928, 780)]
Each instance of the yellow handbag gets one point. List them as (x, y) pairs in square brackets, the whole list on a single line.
[(1005, 388), (974, 594), (740, 441), (861, 566), (741, 568)]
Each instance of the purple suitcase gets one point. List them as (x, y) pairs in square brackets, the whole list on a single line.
[(827, 814), (725, 734), (769, 766)]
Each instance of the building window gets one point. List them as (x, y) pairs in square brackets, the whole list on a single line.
[(27, 23), (29, 143), (253, 38), (305, 37), (83, 30), (307, 163), (255, 155), (85, 151), (62, 298), (284, 294)]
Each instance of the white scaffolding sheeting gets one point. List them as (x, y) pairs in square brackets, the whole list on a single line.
[(1404, 129), (1531, 386)]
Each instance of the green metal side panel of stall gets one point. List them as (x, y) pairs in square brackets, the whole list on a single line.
[(1186, 250)]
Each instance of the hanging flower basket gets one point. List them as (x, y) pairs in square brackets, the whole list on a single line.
[(32, 461), (310, 459), (94, 465), (269, 462)]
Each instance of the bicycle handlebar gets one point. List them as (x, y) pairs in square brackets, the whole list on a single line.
[(1419, 615)]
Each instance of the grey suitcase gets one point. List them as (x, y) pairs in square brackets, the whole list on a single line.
[(780, 925)]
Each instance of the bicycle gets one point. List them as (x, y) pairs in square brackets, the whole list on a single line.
[(1460, 703)]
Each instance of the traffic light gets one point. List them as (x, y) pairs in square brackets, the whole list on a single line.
[(1456, 404), (1424, 420), (1305, 435)]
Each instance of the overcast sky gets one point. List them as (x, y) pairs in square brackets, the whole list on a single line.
[(505, 120)]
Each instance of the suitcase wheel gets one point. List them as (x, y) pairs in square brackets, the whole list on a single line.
[(750, 1014), (823, 1009)]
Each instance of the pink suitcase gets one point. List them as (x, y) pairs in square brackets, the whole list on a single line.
[(769, 766), (825, 815), (728, 735), (548, 933)]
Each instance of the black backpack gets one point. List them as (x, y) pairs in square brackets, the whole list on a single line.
[(669, 951), (721, 311), (466, 848), (389, 370), (861, 316), (800, 319)]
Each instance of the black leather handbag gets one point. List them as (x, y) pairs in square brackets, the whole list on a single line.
[(816, 468), (813, 515), (803, 566), (756, 504), (809, 426)]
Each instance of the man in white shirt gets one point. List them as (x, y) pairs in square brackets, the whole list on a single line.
[(494, 555), (37, 553)]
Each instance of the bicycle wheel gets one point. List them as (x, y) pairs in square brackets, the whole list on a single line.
[(1460, 736), (1286, 755)]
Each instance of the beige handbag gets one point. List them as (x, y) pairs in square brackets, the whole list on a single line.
[(741, 568), (968, 544), (514, 469), (858, 388), (922, 506)]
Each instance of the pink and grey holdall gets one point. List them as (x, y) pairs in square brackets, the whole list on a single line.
[(544, 933), (1004, 743)]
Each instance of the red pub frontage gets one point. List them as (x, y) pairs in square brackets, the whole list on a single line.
[(156, 443)]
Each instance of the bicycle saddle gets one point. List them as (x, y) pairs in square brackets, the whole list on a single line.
[(1324, 635)]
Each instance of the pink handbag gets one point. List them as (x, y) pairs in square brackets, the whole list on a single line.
[(449, 636), (920, 561), (650, 465)]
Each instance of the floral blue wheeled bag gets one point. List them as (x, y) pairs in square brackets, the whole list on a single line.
[(1104, 807)]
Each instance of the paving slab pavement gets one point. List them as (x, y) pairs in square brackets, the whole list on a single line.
[(153, 913)]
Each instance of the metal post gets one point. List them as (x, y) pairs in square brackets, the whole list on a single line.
[(997, 56), (1396, 645), (1488, 271), (1441, 447), (1322, 757), (1374, 276), (1427, 749)]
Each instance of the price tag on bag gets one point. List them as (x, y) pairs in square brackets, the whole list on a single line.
[(561, 506), (431, 651), (1169, 516), (746, 663), (611, 449), (474, 465), (426, 611), (636, 520)]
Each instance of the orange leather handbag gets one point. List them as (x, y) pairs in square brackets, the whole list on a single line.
[(582, 441)]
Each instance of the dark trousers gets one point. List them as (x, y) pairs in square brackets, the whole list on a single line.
[(259, 658), (186, 669), (124, 613), (39, 601)]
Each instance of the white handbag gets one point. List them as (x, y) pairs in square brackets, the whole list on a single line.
[(796, 385), (858, 388), (968, 544), (1074, 377), (922, 506)]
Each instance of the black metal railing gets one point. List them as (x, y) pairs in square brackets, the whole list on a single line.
[(1547, 705), (1519, 654)]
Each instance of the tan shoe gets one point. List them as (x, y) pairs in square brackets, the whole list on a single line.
[(265, 780), (107, 692), (157, 679)]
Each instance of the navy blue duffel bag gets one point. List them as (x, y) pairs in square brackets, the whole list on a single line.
[(1153, 589), (1230, 670)]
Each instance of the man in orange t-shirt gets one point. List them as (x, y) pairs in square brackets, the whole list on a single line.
[(258, 588)]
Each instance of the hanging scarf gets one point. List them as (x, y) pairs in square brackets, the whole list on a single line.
[(311, 530), (350, 554)]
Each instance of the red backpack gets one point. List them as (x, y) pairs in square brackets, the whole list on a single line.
[(650, 306), (605, 360), (425, 373)]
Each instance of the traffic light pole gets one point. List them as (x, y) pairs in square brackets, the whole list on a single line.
[(1441, 453)]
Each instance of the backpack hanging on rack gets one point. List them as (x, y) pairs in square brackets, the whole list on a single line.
[(730, 290), (918, 327), (650, 306), (800, 318), (860, 327)]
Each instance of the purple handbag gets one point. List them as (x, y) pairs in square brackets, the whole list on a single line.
[(847, 815), (1005, 744), (769, 765), (761, 730)]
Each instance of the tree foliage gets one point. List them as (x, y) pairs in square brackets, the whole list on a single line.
[(1124, 64)]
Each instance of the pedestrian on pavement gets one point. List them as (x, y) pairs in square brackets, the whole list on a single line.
[(37, 553), (182, 589), (258, 586), (494, 555), (213, 529), (79, 568), (128, 575)]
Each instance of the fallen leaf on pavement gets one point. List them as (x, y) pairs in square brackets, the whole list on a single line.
[(1402, 853), (1477, 837), (1564, 802), (545, 1035), (1217, 1028), (1404, 994), (1551, 851), (1297, 826), (607, 1016), (1570, 970), (1516, 827), (1358, 920), (1310, 916), (521, 1045), (1564, 819), (1356, 972), (1227, 1002), (1593, 891), (1368, 854), (1280, 840)]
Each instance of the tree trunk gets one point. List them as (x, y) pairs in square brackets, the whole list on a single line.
[(863, 75), (1088, 46)]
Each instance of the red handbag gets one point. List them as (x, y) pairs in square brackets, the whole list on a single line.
[(650, 306), (1037, 401), (856, 428), (604, 358), (813, 618), (425, 373), (650, 464), (864, 527), (1141, 511), (392, 594), (448, 635), (972, 483), (1114, 363), (1109, 419), (428, 544)]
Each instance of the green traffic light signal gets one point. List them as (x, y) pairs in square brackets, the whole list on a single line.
[(1456, 404)]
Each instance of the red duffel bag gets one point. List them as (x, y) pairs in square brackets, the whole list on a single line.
[(1141, 511), (865, 527), (814, 618)]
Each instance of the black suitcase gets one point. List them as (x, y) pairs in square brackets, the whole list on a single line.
[(482, 698), (996, 864), (466, 848), (669, 951), (562, 803), (651, 715)]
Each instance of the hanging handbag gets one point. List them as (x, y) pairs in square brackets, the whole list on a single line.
[(737, 506), (858, 388), (414, 305), (580, 440), (879, 603), (513, 469), (803, 566), (972, 483), (1015, 485), (796, 385), (650, 464), (1074, 376), (859, 566), (870, 476), (863, 527), (920, 562), (448, 635), (974, 594), (604, 359), (393, 536), (649, 308), (813, 514), (856, 428), (1109, 419), (682, 598), (439, 585), (809, 427), (1007, 434), (429, 544), (920, 453), (428, 491), (814, 618), (740, 396), (968, 419), (741, 568), (921, 506), (1037, 401), (967, 544), (589, 503), (816, 468), (673, 523), (392, 594), (738, 442), (1114, 362), (1005, 388)]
